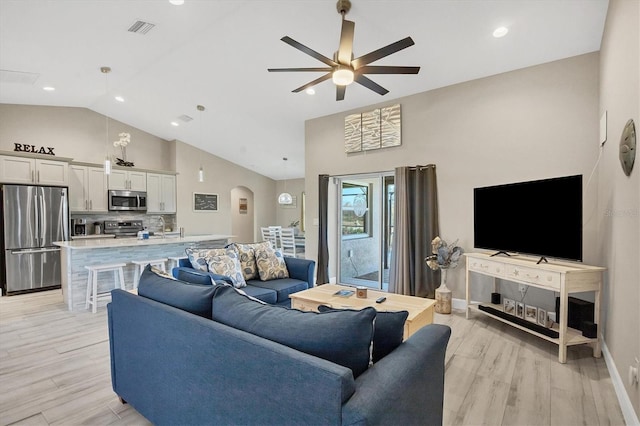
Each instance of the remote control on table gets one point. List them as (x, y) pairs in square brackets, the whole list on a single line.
[(381, 299)]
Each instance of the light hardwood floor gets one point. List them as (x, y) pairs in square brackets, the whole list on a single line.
[(54, 370)]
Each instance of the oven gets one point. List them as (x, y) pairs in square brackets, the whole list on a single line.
[(127, 200)]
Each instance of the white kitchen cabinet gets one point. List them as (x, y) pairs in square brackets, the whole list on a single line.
[(161, 193), (33, 170), (128, 180), (87, 189)]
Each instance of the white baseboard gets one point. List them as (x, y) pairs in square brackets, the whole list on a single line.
[(459, 304), (630, 416)]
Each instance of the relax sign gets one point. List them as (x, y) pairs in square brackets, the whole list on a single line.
[(20, 147)]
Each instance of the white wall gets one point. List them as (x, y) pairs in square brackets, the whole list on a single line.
[(618, 213), (221, 177), (287, 214), (80, 133), (534, 123)]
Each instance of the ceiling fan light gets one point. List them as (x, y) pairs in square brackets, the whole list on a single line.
[(285, 198), (342, 76)]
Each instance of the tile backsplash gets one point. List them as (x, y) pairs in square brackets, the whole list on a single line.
[(151, 221)]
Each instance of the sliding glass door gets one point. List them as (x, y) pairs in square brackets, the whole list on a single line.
[(365, 214)]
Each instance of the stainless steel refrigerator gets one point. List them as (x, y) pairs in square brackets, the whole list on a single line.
[(33, 217)]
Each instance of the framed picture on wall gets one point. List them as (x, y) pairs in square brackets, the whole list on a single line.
[(242, 206), (205, 202), (520, 310)]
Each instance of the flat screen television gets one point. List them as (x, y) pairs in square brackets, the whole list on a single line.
[(541, 217)]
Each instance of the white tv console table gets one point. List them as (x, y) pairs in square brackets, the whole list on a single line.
[(561, 277)]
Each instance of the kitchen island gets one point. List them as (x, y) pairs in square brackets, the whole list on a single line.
[(77, 254)]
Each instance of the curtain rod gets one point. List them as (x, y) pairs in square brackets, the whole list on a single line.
[(381, 172)]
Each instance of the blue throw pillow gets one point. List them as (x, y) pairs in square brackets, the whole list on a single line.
[(344, 339), (388, 331), (193, 298)]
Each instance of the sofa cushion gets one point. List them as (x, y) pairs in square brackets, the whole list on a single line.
[(265, 294), (388, 331), (343, 337), (247, 256), (271, 265), (200, 257), (227, 265), (283, 288), (193, 298)]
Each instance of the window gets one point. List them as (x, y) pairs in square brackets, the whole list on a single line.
[(355, 210)]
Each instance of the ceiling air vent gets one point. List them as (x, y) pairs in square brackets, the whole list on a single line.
[(141, 27), (185, 118), (18, 77)]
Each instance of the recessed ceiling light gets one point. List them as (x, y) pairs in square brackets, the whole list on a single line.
[(176, 2), (119, 98), (49, 88), (310, 91), (500, 32), (175, 124)]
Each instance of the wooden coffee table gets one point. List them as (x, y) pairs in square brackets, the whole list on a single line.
[(420, 309)]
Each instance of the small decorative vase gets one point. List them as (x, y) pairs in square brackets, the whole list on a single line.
[(443, 295)]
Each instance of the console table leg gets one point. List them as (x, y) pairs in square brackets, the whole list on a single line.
[(562, 354)]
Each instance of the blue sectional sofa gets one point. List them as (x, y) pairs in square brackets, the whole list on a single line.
[(193, 354), (274, 292)]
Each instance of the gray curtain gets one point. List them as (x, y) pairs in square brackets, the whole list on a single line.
[(416, 213), (322, 272)]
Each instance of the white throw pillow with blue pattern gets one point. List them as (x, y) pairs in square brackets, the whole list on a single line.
[(199, 258), (228, 265), (271, 264)]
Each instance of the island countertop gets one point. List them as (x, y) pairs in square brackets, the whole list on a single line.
[(76, 255), (84, 244)]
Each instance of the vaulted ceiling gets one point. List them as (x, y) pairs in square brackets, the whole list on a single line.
[(216, 53)]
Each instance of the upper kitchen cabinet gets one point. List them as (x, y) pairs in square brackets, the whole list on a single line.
[(33, 171), (161, 193), (128, 179), (87, 189)]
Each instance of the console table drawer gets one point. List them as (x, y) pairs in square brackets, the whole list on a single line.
[(533, 276), (487, 267)]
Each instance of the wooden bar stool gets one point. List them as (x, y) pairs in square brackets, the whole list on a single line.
[(141, 264), (92, 282)]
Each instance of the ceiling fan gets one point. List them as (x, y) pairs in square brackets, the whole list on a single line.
[(343, 69)]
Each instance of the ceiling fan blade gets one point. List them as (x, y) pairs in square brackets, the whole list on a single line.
[(301, 47), (313, 83), (382, 52), (340, 92), (369, 84), (323, 69), (369, 69), (346, 42)]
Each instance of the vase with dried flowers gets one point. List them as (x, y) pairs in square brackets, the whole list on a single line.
[(125, 139), (444, 257)]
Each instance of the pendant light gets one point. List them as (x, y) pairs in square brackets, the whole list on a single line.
[(201, 170), (285, 198), (107, 160)]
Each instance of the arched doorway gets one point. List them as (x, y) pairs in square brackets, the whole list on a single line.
[(242, 215)]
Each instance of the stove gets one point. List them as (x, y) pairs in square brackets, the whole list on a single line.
[(123, 229)]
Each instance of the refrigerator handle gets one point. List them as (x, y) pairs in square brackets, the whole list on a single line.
[(36, 210)]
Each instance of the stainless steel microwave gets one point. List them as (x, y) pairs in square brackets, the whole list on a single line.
[(127, 200)]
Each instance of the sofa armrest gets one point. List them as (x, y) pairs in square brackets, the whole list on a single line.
[(191, 275), (412, 382), (300, 269)]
